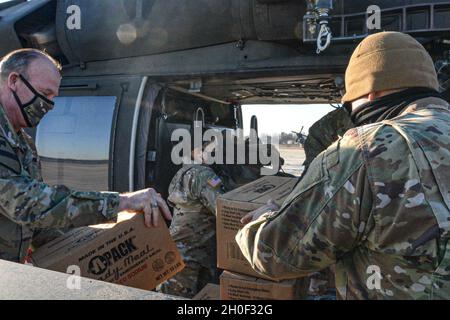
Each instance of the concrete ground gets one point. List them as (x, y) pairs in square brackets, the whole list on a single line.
[(22, 282), (293, 156)]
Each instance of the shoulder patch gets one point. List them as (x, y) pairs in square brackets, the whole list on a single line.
[(214, 182), (8, 158)]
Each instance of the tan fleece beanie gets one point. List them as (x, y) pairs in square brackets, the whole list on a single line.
[(388, 61)]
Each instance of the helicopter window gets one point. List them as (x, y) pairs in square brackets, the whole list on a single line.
[(73, 141), (418, 19), (392, 22), (442, 17), (355, 26), (223, 115)]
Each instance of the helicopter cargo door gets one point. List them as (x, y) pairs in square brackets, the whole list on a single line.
[(84, 142)]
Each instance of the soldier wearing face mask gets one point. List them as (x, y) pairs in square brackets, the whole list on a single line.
[(34, 110), (29, 208)]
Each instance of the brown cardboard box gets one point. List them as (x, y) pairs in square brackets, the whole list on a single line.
[(125, 253), (232, 206), (209, 292), (235, 286)]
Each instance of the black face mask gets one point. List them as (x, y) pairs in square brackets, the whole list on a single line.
[(389, 106), (34, 110)]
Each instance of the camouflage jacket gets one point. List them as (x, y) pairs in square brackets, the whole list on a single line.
[(29, 206), (325, 132), (193, 193), (376, 203)]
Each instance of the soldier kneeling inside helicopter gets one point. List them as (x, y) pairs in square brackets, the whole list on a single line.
[(193, 193)]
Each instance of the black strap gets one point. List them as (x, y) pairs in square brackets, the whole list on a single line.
[(23, 106), (36, 93)]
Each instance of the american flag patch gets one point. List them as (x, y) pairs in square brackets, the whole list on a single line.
[(214, 182)]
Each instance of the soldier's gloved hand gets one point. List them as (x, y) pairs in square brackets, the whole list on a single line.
[(148, 202), (254, 215)]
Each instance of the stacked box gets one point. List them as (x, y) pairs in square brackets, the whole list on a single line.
[(239, 281), (234, 286), (209, 292), (232, 206)]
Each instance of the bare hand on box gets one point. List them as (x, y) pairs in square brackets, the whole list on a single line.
[(148, 202), (254, 215)]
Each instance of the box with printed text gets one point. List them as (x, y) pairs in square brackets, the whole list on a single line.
[(232, 206), (126, 253)]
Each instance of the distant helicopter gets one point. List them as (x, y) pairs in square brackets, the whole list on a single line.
[(301, 137)]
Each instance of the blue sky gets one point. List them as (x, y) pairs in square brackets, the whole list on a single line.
[(274, 119)]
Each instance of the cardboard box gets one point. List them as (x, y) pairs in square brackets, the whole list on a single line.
[(235, 286), (125, 253), (232, 206), (209, 292)]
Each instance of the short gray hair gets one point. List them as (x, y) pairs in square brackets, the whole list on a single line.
[(19, 61)]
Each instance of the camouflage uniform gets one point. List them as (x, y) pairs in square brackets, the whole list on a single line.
[(193, 193), (29, 206), (325, 132), (376, 203)]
